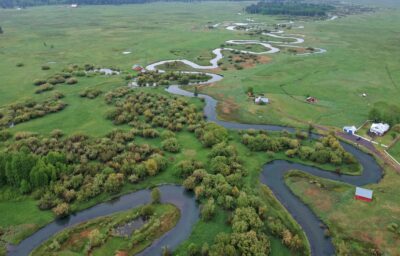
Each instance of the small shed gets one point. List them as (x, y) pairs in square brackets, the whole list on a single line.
[(261, 100), (137, 67), (350, 129), (379, 128), (363, 194), (311, 100)]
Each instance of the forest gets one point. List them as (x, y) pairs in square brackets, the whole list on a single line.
[(293, 8)]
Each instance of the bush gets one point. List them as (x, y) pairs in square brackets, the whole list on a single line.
[(208, 210), (90, 93), (71, 80), (155, 196), (167, 134), (5, 135), (114, 182), (171, 145), (45, 67), (61, 210), (39, 82), (96, 238), (147, 211), (20, 64), (44, 87)]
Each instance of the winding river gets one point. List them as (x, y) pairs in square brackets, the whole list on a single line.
[(272, 175)]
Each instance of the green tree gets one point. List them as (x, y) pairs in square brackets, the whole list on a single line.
[(208, 210), (25, 187), (155, 196), (61, 210), (171, 145), (147, 211), (193, 250), (114, 182), (19, 168)]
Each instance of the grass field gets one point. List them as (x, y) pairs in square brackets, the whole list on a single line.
[(395, 151), (351, 221), (358, 61)]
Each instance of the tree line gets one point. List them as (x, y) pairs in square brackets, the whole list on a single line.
[(384, 112), (294, 8)]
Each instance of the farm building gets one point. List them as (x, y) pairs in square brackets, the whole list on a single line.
[(261, 100), (137, 67), (363, 194), (350, 129), (311, 100), (379, 128)]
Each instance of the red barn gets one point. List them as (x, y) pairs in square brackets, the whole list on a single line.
[(363, 194), (137, 67), (311, 100)]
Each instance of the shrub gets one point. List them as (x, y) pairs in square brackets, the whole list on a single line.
[(90, 93), (96, 238), (45, 67), (114, 182), (167, 134), (44, 87), (71, 80), (5, 135), (171, 145), (193, 250), (61, 210), (39, 82), (79, 73), (155, 196), (208, 210), (20, 64), (147, 211)]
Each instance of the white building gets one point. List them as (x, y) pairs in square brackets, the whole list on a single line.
[(261, 100), (379, 128), (363, 194), (74, 5), (350, 129)]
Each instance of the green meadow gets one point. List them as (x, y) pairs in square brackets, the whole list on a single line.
[(361, 58)]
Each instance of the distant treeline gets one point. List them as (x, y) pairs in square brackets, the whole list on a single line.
[(294, 8), (27, 3)]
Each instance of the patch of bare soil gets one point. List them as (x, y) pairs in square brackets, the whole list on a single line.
[(228, 106), (121, 253)]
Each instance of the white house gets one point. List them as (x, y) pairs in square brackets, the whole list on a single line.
[(363, 194), (261, 100), (74, 5), (350, 129), (379, 128)]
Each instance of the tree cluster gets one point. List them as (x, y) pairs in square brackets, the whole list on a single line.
[(151, 78), (327, 150), (22, 112), (59, 170), (116, 94), (293, 8), (222, 186), (90, 93), (145, 110), (383, 112)]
